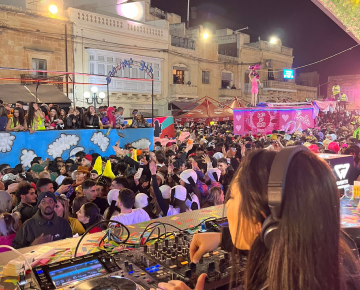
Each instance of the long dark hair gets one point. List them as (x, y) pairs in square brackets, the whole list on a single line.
[(180, 204), (309, 248), (52, 119), (30, 114), (81, 116), (18, 120), (3, 111), (92, 211)]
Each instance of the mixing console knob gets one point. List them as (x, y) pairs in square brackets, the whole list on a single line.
[(162, 258), (176, 239), (188, 273), (174, 245), (211, 267), (168, 253), (153, 253), (192, 267), (164, 249), (126, 264), (185, 238), (157, 255), (227, 256), (166, 243), (201, 260), (145, 248), (179, 249), (156, 246), (131, 268), (173, 276)]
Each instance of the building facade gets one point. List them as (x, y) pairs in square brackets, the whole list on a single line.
[(350, 85), (26, 43)]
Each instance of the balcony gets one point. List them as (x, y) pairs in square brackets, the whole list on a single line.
[(182, 42), (279, 86), (227, 59), (158, 13), (229, 93), (30, 79), (177, 90)]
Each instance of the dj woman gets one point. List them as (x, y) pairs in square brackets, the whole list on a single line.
[(307, 251)]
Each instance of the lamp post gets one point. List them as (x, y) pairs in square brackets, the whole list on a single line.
[(94, 99)]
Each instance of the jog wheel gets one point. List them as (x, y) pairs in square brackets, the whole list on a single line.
[(109, 283)]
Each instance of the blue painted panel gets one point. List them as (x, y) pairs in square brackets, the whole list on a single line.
[(22, 147)]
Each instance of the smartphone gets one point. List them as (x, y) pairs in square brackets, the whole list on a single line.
[(70, 192), (189, 142), (139, 173)]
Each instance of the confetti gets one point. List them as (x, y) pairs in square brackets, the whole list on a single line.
[(179, 223), (189, 220), (174, 218), (14, 281)]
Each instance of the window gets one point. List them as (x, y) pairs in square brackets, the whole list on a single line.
[(271, 74), (109, 68), (109, 59), (92, 68), (134, 72), (92, 57), (101, 58), (101, 69), (206, 77), (179, 77), (39, 64), (226, 78)]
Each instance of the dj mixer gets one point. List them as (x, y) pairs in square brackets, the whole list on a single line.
[(140, 268)]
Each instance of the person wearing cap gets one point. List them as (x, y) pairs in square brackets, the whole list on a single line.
[(178, 196), (94, 175), (113, 209), (87, 161), (188, 179), (35, 170), (142, 201), (214, 174), (129, 216), (80, 175), (45, 226)]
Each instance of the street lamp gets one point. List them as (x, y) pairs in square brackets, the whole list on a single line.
[(273, 40), (53, 9), (206, 35), (94, 99)]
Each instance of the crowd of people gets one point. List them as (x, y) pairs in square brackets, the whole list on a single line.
[(202, 166), (32, 117)]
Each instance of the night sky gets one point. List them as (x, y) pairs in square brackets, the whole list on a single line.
[(299, 24)]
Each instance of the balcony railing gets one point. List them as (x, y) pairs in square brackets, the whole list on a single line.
[(31, 79), (182, 42), (158, 13), (228, 59), (230, 92), (273, 85), (183, 90)]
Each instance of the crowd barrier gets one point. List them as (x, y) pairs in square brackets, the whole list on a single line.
[(22, 147)]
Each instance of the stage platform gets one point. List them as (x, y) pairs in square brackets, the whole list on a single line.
[(349, 219)]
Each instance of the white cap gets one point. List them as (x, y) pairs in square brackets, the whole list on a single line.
[(186, 174), (60, 179), (141, 200), (180, 192), (218, 155), (112, 195), (211, 172), (166, 191)]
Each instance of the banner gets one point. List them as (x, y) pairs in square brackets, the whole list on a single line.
[(23, 147), (265, 120)]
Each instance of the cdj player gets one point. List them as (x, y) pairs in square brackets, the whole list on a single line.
[(139, 269)]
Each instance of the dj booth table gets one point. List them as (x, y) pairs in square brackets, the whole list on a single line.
[(91, 241)]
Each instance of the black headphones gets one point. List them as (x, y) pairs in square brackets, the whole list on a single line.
[(276, 186)]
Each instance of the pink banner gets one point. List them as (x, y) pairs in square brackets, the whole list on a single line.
[(265, 120)]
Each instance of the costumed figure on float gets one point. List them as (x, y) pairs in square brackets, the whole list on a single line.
[(255, 81)]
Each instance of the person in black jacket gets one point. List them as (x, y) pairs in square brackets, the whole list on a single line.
[(27, 207), (45, 226), (92, 120)]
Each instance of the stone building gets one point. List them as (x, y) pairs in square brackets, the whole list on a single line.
[(36, 41), (350, 85)]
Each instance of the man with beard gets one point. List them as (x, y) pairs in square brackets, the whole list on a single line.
[(44, 227)]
